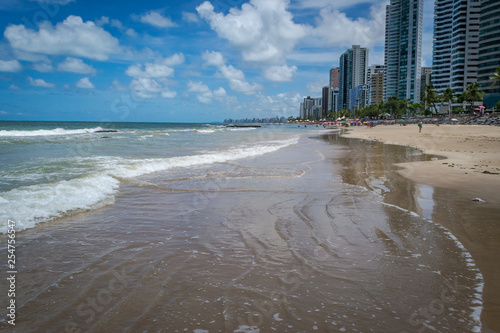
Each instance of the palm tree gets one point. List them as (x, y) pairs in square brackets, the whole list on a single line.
[(472, 94), (449, 96), (495, 78), (431, 96)]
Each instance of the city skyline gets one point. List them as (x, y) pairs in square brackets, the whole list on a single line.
[(169, 61)]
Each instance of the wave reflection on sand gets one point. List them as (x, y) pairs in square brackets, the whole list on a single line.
[(293, 241)]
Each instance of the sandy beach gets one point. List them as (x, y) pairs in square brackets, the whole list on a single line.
[(467, 166), (313, 232), (472, 155)]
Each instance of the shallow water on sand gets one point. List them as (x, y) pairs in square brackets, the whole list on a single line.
[(319, 236)]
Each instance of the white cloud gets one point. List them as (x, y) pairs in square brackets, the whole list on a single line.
[(43, 67), (70, 37), (146, 87), (158, 69), (131, 32), (14, 87), (204, 94), (235, 77), (150, 79), (175, 59), (10, 66), (4, 112), (28, 56), (168, 94), (280, 73), (150, 70), (190, 17), (336, 29), (314, 87), (117, 86), (262, 106), (213, 58), (75, 66), (40, 83), (85, 83), (157, 20), (263, 30)]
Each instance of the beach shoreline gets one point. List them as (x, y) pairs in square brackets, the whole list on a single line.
[(472, 155), (469, 170)]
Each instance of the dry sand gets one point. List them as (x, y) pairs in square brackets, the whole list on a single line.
[(472, 153)]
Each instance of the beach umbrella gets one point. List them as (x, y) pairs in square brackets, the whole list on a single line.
[(435, 119), (453, 119)]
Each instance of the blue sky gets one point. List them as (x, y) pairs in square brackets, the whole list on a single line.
[(178, 61)]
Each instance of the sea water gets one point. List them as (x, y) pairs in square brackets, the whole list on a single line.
[(206, 228), (49, 170)]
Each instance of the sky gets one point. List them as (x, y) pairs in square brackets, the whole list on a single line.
[(178, 61)]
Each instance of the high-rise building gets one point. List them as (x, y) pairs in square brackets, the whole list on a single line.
[(455, 46), (324, 105), (425, 78), (377, 88), (403, 49), (334, 85), (334, 78), (352, 73), (375, 79), (489, 50)]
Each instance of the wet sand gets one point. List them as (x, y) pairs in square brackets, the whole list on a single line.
[(321, 236), (472, 154), (470, 170)]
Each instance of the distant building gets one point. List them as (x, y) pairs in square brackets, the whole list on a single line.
[(311, 107), (352, 73), (334, 97), (403, 49), (455, 46), (325, 101), (375, 78), (334, 85), (306, 107), (425, 79), (377, 88), (489, 50)]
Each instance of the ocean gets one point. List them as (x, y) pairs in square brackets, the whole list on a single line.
[(163, 227)]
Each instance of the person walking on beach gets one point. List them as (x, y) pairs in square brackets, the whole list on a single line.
[(419, 126)]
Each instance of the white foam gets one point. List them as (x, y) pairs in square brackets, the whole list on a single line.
[(137, 168), (56, 131), (247, 329), (30, 205), (34, 204), (470, 263)]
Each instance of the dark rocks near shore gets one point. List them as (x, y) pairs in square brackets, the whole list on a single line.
[(106, 131)]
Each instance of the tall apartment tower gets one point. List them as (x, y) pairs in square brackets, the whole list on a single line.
[(324, 105), (425, 79), (456, 38), (352, 73), (375, 80), (403, 49), (334, 85), (489, 50)]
